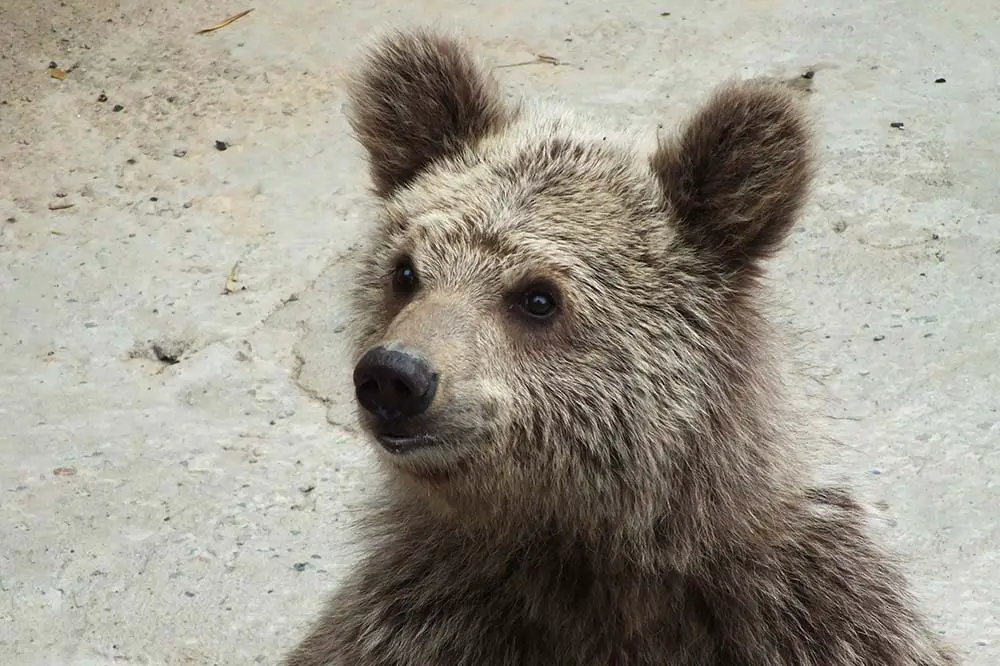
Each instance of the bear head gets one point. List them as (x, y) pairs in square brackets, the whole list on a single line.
[(555, 325)]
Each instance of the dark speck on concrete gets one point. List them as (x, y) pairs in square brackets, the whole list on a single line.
[(117, 107), (300, 566), (809, 74), (896, 125), (221, 145), (940, 80)]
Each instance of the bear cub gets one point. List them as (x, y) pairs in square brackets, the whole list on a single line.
[(566, 373)]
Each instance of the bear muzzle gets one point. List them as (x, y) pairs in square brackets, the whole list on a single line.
[(395, 385)]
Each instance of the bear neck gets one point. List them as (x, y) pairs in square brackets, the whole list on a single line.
[(709, 507)]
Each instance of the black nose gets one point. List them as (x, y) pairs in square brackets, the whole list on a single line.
[(394, 384)]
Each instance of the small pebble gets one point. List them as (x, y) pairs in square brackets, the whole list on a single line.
[(102, 98), (154, 198), (940, 80), (879, 338), (896, 125), (809, 74), (180, 152), (117, 107), (221, 145), (301, 566), (53, 65)]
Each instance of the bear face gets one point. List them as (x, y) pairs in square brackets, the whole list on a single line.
[(555, 323)]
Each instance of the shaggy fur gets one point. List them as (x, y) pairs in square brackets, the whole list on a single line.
[(614, 485)]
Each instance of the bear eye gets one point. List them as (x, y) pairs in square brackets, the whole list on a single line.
[(404, 277), (538, 302)]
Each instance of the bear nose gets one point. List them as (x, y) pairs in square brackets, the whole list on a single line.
[(394, 383)]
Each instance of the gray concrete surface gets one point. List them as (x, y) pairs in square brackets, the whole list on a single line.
[(178, 468)]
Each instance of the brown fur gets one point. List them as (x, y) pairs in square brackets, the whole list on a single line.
[(614, 486)]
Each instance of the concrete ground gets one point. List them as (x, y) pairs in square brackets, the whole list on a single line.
[(178, 467)]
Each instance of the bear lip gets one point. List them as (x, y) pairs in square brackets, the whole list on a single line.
[(400, 444)]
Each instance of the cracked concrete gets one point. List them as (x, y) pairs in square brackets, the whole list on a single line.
[(178, 465)]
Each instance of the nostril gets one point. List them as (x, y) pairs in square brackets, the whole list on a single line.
[(368, 390), (401, 388)]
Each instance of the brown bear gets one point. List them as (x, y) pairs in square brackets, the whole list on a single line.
[(563, 359)]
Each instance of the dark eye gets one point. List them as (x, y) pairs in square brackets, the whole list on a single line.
[(404, 277), (538, 303)]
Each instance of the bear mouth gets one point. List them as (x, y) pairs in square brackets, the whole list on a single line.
[(401, 444)]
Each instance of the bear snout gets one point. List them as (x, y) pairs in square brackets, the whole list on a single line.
[(394, 384)]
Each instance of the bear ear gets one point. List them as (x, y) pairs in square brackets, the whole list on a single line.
[(737, 175), (416, 97)]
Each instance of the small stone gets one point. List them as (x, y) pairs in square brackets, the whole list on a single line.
[(808, 74), (168, 352), (300, 566), (940, 80), (102, 98), (878, 338), (896, 125), (53, 65), (180, 152), (117, 107), (221, 145)]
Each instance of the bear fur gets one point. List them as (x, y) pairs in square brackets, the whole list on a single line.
[(614, 483)]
